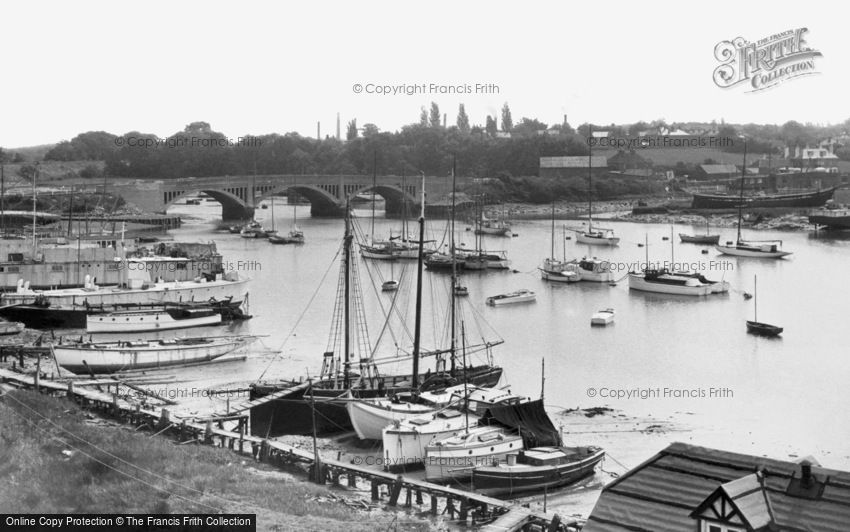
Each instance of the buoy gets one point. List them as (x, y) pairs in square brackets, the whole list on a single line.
[(705, 252), (515, 234), (665, 238), (748, 295), (640, 245)]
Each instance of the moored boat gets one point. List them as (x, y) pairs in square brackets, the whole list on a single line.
[(663, 281), (523, 295), (814, 198), (593, 270), (296, 236), (559, 271), (536, 469), (141, 320), (755, 326), (699, 239), (831, 217), (109, 357), (603, 317)]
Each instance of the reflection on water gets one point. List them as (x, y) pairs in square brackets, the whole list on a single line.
[(785, 393)]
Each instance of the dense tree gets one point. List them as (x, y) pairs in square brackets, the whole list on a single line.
[(462, 119), (635, 129), (351, 132), (90, 146), (370, 129), (528, 127), (435, 119), (507, 121), (423, 117), (491, 126)]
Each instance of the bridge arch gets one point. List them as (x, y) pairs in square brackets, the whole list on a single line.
[(233, 207), (396, 198), (322, 202)]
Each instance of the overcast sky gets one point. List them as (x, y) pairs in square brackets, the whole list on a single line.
[(263, 67)]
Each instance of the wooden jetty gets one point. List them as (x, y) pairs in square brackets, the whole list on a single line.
[(462, 507)]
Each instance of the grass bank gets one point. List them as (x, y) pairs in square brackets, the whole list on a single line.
[(53, 459)]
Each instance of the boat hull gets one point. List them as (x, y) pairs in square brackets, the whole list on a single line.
[(701, 239), (832, 219), (750, 251), (128, 322), (176, 292), (638, 282), (111, 359), (404, 447), (369, 420), (584, 238), (510, 299), (802, 199), (763, 329), (557, 276), (457, 463), (291, 412), (508, 481)]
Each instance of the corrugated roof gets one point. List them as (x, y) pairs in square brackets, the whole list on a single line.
[(660, 494), (577, 161)]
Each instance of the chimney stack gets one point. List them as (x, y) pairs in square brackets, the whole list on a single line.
[(806, 472)]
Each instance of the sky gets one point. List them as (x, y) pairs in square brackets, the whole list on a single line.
[(275, 67)]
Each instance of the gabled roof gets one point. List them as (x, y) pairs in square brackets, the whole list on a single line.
[(661, 494)]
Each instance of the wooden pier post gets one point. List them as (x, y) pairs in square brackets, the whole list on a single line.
[(182, 430), (71, 390), (208, 432), (464, 510), (395, 490), (37, 371), (374, 489), (352, 480), (116, 410), (419, 497), (433, 504), (164, 418)]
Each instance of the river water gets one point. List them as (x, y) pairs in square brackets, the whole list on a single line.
[(687, 361)]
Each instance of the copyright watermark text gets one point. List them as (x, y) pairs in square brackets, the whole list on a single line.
[(412, 89), (661, 392)]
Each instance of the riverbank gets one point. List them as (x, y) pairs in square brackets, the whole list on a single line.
[(58, 458), (784, 219)]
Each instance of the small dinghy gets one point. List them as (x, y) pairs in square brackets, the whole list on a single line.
[(603, 317)]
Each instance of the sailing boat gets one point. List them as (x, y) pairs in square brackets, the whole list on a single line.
[(479, 259), (557, 270), (755, 326), (295, 235), (768, 249), (707, 238), (600, 237), (284, 407), (375, 249), (369, 418)]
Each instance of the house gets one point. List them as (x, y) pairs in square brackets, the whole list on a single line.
[(570, 166), (716, 171), (822, 157), (686, 488)]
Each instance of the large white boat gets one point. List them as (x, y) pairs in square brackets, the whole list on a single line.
[(123, 321), (137, 292), (593, 270), (663, 281), (109, 357)]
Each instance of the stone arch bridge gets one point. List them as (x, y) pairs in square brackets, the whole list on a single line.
[(239, 195)]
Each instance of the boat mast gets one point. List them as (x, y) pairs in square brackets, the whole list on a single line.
[(552, 243), (294, 205), (590, 178), (741, 200), (454, 274), (374, 181), (34, 207), (271, 199), (347, 261), (672, 251), (417, 334), (465, 391), (756, 298)]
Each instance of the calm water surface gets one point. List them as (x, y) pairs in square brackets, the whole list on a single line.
[(772, 396)]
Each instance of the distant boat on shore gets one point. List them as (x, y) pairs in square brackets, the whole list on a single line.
[(815, 198)]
